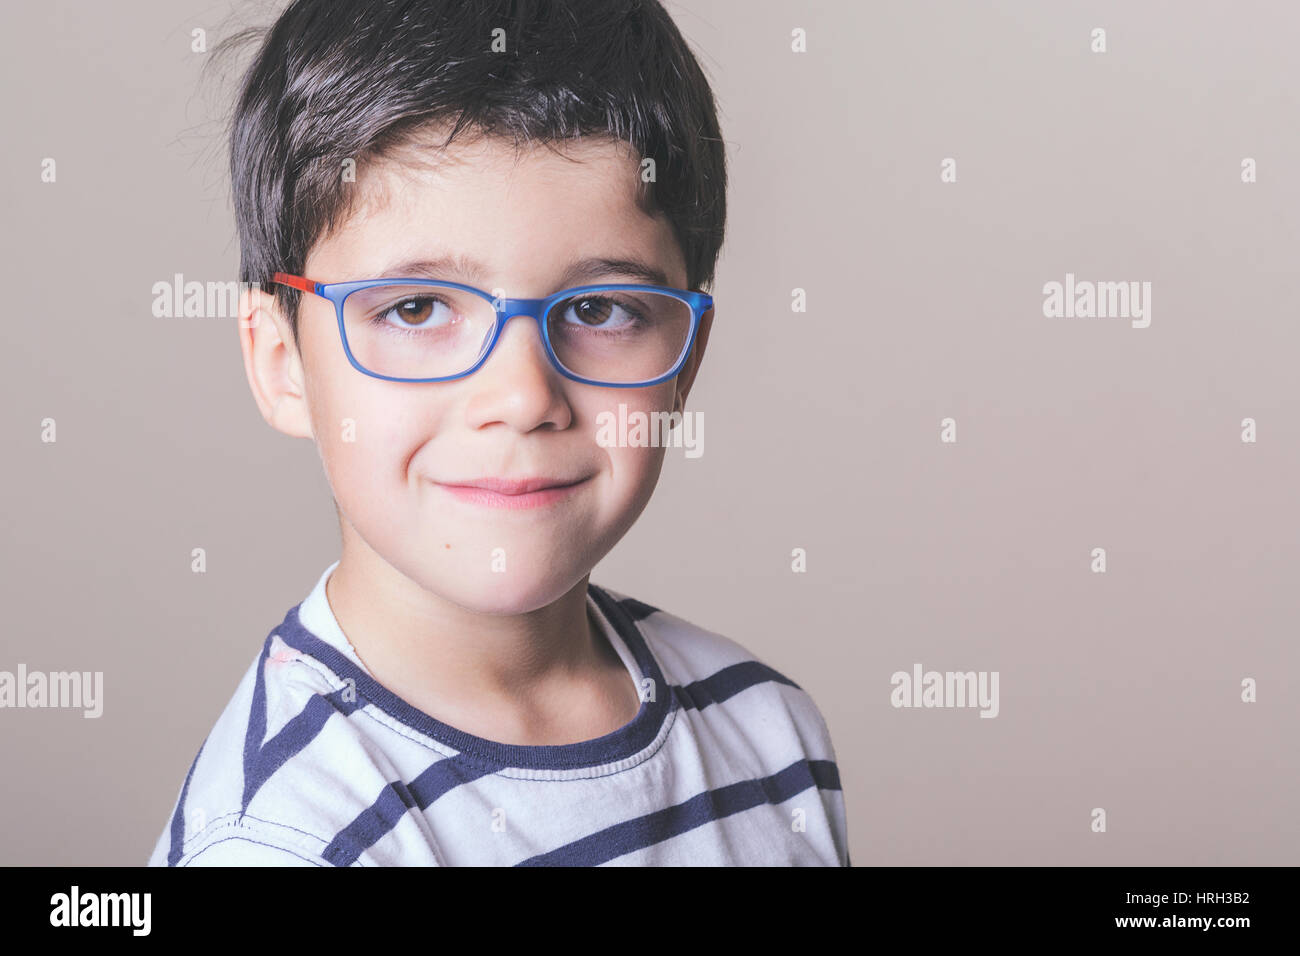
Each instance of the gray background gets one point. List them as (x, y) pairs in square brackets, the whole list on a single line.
[(1119, 691)]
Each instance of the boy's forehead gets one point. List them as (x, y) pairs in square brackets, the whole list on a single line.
[(486, 200)]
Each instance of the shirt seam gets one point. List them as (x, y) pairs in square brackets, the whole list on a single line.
[(242, 831), (248, 839), (212, 826)]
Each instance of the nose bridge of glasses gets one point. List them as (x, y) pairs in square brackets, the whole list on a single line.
[(514, 307)]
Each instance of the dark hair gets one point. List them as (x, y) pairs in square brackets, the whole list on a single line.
[(339, 79)]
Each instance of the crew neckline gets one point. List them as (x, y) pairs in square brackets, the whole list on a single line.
[(311, 628)]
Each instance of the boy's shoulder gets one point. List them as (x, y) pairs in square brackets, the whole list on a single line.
[(279, 708), (723, 689), (687, 651), (704, 668)]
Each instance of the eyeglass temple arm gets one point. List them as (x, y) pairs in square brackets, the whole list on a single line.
[(297, 282)]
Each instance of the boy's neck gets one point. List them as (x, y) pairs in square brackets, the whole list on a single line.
[(545, 677)]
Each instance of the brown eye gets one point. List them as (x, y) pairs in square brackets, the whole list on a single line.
[(415, 311), (597, 313), (592, 311), (422, 312)]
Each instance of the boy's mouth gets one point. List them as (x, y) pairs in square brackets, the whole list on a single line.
[(514, 493), (513, 486)]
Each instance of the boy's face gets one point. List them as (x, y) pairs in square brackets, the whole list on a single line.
[(389, 447)]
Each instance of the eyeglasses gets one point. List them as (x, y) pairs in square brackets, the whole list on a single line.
[(430, 330)]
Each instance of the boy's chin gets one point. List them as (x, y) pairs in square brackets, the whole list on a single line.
[(509, 593)]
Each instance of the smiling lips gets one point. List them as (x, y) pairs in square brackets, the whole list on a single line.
[(514, 494)]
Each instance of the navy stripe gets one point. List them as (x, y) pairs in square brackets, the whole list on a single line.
[(637, 610), (256, 728), (644, 831), (292, 738), (726, 683), (627, 741), (373, 823), (178, 815)]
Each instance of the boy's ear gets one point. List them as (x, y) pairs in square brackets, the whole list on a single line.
[(686, 377), (272, 364)]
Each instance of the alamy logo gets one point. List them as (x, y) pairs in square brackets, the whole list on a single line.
[(102, 909), (1098, 300), (180, 299), (946, 689), (55, 689), (639, 429)]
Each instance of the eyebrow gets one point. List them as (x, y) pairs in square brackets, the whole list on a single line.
[(580, 272)]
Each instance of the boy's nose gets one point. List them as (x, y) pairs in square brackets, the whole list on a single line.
[(517, 384)]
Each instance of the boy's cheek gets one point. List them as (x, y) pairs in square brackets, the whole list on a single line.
[(359, 431), (617, 417), (636, 472), (609, 405)]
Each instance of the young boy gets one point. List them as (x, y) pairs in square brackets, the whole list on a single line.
[(449, 308)]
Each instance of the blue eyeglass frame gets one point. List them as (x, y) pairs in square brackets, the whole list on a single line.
[(537, 309)]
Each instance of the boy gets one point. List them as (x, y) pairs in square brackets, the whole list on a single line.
[(454, 690)]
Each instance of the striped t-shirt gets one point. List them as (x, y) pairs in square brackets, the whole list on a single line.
[(314, 762)]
